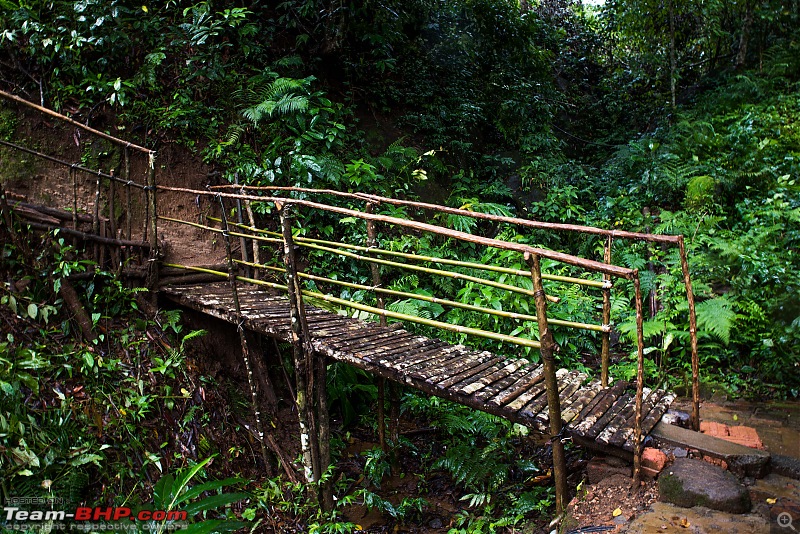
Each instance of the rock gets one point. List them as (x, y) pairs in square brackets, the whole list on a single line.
[(690, 483), (435, 523), (680, 452), (785, 466), (677, 418)]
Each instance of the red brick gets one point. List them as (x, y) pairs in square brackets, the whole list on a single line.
[(745, 435), (716, 461), (712, 428), (654, 459)]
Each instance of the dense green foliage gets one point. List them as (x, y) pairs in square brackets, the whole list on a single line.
[(670, 118)]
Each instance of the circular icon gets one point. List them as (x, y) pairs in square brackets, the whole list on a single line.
[(785, 520)]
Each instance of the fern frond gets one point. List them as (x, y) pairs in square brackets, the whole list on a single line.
[(717, 317)]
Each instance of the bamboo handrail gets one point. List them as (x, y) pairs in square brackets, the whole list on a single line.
[(75, 123), (428, 270), (660, 238), (376, 311), (71, 165), (434, 300), (613, 270), (604, 284)]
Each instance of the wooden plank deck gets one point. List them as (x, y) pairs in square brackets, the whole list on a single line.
[(506, 387)]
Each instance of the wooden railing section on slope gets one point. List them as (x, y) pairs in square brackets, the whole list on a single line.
[(250, 234)]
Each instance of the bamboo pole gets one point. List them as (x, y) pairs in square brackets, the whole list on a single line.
[(473, 214), (372, 242), (547, 349), (242, 336), (613, 270), (637, 428), (695, 418), (301, 350), (606, 336), (217, 230), (112, 221), (434, 300), (428, 270), (73, 122), (444, 261), (74, 175), (256, 249), (96, 220), (126, 169), (153, 210), (427, 322), (65, 163), (91, 237)]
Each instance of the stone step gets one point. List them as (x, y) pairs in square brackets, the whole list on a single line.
[(741, 460)]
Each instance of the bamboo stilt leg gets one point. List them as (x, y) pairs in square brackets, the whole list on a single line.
[(637, 428), (548, 347), (606, 336), (695, 419), (300, 350), (243, 338)]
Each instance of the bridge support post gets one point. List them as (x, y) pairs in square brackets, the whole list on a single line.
[(548, 347), (695, 418), (606, 337), (152, 271), (243, 334), (310, 376), (372, 241), (637, 427)]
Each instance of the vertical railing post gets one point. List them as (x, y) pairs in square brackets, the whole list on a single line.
[(153, 211), (606, 336), (637, 428), (372, 241), (126, 169), (547, 349), (114, 251), (310, 374), (74, 175), (687, 281), (242, 333), (96, 221)]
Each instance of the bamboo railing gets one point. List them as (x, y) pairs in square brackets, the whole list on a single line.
[(375, 256), (610, 235)]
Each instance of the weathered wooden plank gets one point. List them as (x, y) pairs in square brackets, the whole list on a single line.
[(402, 343), (585, 395), (492, 390), (652, 419), (596, 408), (534, 391), (618, 421), (482, 380), (571, 385), (405, 361), (601, 423), (441, 372), (649, 399), (518, 387), (535, 405), (468, 368), (428, 370)]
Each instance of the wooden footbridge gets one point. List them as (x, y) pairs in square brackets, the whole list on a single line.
[(268, 286)]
